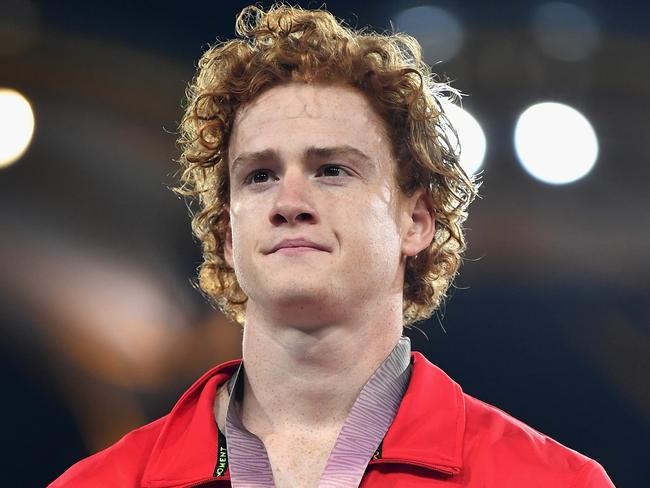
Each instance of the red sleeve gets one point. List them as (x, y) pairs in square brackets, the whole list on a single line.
[(592, 475), (121, 464)]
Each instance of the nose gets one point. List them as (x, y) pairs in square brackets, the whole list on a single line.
[(293, 203)]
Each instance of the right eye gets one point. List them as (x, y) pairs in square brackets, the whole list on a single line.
[(258, 176)]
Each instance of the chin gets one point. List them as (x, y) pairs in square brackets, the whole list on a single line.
[(303, 304), (299, 298)]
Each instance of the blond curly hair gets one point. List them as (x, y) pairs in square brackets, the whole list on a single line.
[(289, 44)]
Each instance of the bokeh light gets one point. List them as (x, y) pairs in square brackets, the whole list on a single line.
[(565, 31), (16, 126), (437, 30), (555, 143), (470, 135)]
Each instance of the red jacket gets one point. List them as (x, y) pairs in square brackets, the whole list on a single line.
[(441, 437)]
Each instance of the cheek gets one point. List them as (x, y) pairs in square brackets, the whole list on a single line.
[(374, 228), (239, 232)]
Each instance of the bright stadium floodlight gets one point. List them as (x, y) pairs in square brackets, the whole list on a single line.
[(555, 143), (16, 126), (471, 136)]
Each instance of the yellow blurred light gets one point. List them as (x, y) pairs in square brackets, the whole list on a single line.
[(16, 126)]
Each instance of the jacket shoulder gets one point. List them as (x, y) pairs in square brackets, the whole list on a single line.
[(121, 464), (155, 446), (521, 453)]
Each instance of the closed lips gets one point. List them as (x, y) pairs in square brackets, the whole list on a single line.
[(287, 243)]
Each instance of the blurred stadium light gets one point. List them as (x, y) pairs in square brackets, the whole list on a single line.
[(438, 31), (555, 143), (470, 136), (565, 31), (16, 126)]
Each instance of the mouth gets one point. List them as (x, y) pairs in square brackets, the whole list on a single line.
[(297, 246), (296, 250)]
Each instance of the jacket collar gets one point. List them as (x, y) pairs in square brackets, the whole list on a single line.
[(427, 431), (186, 449), (429, 427)]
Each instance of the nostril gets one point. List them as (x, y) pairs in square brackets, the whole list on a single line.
[(278, 219), (303, 217)]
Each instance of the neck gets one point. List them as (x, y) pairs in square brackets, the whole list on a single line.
[(309, 378)]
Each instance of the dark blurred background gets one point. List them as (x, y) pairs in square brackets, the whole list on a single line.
[(102, 328)]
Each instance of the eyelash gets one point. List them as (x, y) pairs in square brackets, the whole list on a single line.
[(249, 178)]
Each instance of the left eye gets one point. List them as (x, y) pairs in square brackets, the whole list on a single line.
[(333, 170)]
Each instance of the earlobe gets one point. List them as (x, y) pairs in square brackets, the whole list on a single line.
[(422, 225)]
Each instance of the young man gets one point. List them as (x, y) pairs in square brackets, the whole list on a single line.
[(331, 204)]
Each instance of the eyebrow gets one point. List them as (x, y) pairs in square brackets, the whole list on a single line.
[(329, 152), (310, 153), (253, 157)]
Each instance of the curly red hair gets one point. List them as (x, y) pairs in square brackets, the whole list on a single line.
[(288, 44)]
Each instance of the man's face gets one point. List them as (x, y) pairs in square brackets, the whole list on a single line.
[(317, 220)]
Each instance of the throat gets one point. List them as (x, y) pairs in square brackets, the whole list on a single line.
[(276, 443), (298, 458)]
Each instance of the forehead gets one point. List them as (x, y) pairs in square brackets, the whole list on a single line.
[(299, 115)]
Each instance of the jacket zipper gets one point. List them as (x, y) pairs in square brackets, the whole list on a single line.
[(435, 467)]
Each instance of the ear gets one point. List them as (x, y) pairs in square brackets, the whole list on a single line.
[(227, 243), (421, 225)]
